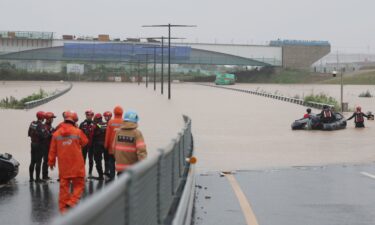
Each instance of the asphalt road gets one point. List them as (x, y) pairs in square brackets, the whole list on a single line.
[(325, 195)]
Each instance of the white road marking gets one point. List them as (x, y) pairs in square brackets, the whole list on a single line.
[(368, 175)]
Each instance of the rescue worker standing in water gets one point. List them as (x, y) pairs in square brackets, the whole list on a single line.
[(110, 133), (87, 126), (358, 116), (66, 146), (49, 116), (107, 117), (128, 145), (98, 143), (38, 134)]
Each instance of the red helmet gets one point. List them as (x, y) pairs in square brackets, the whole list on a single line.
[(49, 115), (107, 114), (89, 112), (358, 108), (98, 116), (40, 115), (69, 116)]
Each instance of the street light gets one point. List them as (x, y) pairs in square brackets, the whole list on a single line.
[(169, 49), (162, 60), (334, 74)]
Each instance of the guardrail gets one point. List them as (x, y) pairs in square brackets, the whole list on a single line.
[(297, 101), (156, 191), (35, 103)]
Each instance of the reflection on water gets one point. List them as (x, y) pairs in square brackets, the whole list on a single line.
[(43, 204), (35, 203)]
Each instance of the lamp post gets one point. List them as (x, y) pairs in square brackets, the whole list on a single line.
[(162, 60), (169, 50), (334, 73), (138, 73), (146, 70)]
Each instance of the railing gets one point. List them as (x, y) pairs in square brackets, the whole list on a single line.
[(297, 101), (35, 103), (158, 190)]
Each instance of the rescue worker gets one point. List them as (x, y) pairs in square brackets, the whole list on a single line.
[(49, 116), (358, 116), (98, 143), (116, 122), (38, 134), (107, 117), (66, 145), (308, 112), (87, 126), (128, 144), (327, 116)]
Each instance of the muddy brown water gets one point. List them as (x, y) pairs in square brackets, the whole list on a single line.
[(232, 131)]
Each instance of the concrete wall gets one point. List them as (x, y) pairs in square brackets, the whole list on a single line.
[(8, 45), (302, 56)]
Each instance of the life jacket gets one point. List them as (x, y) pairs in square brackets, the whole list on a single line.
[(359, 118), (37, 132), (327, 114), (99, 132)]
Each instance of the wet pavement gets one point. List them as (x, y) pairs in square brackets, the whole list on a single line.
[(327, 195), (34, 203), (232, 131)]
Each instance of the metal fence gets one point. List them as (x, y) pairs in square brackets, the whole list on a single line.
[(297, 101), (35, 103), (152, 192)]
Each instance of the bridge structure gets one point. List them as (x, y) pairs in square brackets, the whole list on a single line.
[(45, 51)]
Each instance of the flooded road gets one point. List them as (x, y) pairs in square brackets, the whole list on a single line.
[(232, 131), (21, 89), (351, 92)]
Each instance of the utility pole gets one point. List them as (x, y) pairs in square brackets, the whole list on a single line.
[(147, 70), (169, 52)]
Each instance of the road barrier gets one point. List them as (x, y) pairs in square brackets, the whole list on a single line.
[(35, 103), (310, 104), (158, 190)]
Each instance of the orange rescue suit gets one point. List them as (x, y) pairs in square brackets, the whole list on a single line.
[(66, 145)]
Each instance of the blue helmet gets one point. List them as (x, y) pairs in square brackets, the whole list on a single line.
[(131, 116)]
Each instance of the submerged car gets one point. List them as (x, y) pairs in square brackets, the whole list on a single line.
[(314, 123), (8, 168)]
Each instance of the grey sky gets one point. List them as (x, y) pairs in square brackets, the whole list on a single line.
[(347, 24)]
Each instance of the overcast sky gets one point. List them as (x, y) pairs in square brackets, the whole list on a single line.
[(348, 24)]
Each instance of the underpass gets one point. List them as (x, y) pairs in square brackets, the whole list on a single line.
[(232, 132)]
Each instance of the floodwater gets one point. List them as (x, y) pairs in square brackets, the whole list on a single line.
[(21, 89), (232, 131), (351, 92)]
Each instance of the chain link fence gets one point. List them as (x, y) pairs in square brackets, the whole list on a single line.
[(148, 193)]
